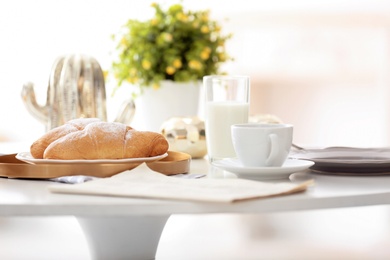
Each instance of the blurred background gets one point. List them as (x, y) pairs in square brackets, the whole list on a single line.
[(322, 66)]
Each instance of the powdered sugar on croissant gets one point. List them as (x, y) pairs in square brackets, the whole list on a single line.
[(39, 146)]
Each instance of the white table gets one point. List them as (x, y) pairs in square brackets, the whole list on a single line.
[(131, 228)]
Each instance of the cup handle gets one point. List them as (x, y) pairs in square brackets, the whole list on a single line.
[(274, 139)]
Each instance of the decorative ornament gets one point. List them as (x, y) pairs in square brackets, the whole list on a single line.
[(186, 134)]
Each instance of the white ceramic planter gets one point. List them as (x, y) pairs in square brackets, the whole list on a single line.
[(155, 106)]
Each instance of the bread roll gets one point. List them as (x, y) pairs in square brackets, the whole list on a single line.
[(102, 140)]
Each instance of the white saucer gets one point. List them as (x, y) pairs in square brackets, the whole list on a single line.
[(289, 167)]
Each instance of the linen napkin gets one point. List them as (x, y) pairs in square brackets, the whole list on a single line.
[(158, 186), (74, 179)]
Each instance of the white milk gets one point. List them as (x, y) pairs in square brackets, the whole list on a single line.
[(219, 118)]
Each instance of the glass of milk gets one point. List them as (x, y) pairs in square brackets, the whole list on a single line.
[(227, 103)]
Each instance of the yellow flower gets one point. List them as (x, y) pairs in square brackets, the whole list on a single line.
[(177, 63), (221, 56), (132, 80), (195, 65), (154, 21), (154, 4), (182, 17), (168, 37), (207, 49), (204, 55), (132, 71), (105, 74), (155, 86), (124, 41), (204, 29), (146, 64), (170, 70)]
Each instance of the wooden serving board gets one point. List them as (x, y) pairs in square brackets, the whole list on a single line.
[(11, 167)]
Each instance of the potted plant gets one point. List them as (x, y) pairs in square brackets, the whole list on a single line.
[(174, 45)]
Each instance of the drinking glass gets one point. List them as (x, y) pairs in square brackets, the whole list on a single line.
[(227, 103)]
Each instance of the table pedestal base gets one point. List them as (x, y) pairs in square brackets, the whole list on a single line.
[(130, 237)]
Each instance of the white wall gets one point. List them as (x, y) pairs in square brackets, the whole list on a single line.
[(321, 65), (326, 73)]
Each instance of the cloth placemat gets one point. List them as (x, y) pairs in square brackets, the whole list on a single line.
[(158, 186)]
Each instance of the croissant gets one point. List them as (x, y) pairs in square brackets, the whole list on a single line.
[(95, 139)]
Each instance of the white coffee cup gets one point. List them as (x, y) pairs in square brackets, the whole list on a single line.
[(262, 145)]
